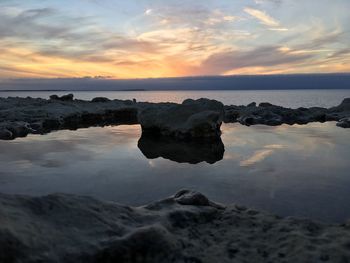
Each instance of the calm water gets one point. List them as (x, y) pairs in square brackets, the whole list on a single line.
[(288, 170), (287, 98)]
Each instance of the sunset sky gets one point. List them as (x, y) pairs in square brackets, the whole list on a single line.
[(166, 38)]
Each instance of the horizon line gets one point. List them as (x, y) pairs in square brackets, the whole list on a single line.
[(179, 77)]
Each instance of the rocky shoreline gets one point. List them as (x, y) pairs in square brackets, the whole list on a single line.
[(192, 119), (186, 227)]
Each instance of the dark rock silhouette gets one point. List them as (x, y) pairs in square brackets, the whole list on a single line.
[(68, 97), (189, 151)]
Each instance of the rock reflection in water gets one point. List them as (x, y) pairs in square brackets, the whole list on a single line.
[(194, 151)]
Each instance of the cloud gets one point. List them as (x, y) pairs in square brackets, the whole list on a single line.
[(277, 2), (340, 53), (167, 40), (267, 56), (262, 17), (148, 11), (32, 24)]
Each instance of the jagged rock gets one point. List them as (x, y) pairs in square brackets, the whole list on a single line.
[(192, 119)]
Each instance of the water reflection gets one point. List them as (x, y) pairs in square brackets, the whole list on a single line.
[(288, 170), (191, 152)]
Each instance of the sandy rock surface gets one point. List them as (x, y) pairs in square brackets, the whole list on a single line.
[(186, 227)]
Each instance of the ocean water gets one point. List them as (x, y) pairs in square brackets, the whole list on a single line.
[(288, 170), (287, 98)]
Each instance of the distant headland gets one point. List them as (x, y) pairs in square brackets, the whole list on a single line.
[(238, 82)]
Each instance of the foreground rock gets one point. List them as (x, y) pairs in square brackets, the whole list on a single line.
[(193, 151), (186, 227), (192, 119)]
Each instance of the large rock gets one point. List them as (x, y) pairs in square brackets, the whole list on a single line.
[(186, 227), (192, 119)]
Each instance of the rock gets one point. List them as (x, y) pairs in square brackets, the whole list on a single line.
[(192, 119), (189, 197), (146, 244), (100, 99), (5, 134), (253, 104), (68, 97), (22, 116), (19, 129), (272, 115), (193, 151), (186, 227), (344, 106), (344, 123), (265, 104)]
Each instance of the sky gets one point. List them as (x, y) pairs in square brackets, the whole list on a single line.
[(123, 39)]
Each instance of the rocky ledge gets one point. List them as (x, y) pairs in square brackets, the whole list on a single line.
[(192, 119), (186, 227), (268, 114)]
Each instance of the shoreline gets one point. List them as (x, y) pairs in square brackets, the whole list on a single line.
[(199, 118), (186, 227)]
